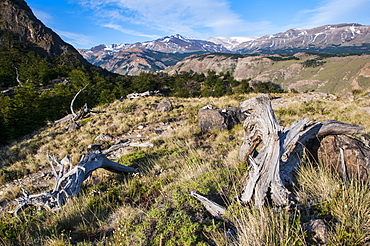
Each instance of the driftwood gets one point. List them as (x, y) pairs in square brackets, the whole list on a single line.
[(274, 152), (68, 181)]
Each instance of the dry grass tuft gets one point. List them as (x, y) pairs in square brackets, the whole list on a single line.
[(154, 207)]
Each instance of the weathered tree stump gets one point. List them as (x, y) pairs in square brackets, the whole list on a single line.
[(274, 152), (68, 181), (281, 151)]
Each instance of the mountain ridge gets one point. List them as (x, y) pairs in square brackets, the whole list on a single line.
[(328, 39), (331, 39), (18, 19)]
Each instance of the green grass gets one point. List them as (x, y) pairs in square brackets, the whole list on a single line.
[(154, 207)]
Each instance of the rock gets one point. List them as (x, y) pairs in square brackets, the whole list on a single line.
[(348, 97), (317, 230), (165, 105), (356, 155), (221, 119), (104, 137), (72, 126)]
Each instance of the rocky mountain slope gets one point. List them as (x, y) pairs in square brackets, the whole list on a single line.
[(329, 39), (131, 61), (17, 19), (170, 44), (148, 56), (301, 72)]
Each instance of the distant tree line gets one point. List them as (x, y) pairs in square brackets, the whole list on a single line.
[(38, 89)]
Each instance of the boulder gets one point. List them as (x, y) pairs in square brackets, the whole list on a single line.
[(356, 155), (317, 231), (165, 105), (219, 119)]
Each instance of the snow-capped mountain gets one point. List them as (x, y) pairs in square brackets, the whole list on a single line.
[(170, 44), (148, 56), (159, 54), (231, 42), (342, 38)]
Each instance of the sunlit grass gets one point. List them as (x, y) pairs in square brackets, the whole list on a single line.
[(154, 207)]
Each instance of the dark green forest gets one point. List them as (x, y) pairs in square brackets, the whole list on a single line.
[(37, 89)]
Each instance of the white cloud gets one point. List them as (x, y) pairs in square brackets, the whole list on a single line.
[(43, 16), (75, 39), (127, 31), (200, 18), (335, 12)]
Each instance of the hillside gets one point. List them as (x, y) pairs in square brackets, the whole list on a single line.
[(40, 73), (154, 207), (131, 61), (301, 72)]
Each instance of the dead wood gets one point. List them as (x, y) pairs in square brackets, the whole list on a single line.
[(143, 94), (68, 181), (213, 208), (281, 151), (274, 151), (76, 116)]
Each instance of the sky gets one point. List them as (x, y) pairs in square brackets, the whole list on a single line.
[(88, 23)]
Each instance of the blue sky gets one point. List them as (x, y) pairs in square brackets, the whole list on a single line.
[(87, 23)]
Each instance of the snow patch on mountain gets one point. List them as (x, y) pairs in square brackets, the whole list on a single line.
[(231, 42)]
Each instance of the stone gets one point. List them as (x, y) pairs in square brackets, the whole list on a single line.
[(317, 230), (165, 105), (356, 155), (104, 137), (219, 119)]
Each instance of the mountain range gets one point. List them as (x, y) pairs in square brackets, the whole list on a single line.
[(159, 54), (283, 58)]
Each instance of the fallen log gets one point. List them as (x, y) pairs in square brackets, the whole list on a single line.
[(68, 181)]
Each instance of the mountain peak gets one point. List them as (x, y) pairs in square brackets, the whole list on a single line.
[(339, 38), (178, 36), (18, 19)]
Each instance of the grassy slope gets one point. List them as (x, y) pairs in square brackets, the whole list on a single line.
[(154, 207), (335, 75)]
